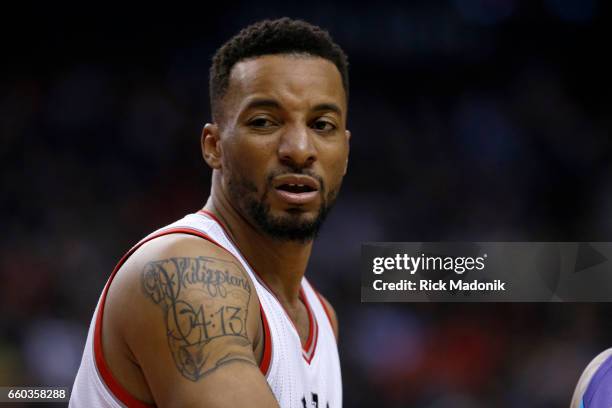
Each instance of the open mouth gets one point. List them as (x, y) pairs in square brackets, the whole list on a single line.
[(295, 188)]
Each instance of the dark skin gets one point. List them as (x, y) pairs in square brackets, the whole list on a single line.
[(201, 345), (261, 139)]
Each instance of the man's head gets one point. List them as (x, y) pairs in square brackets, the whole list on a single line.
[(271, 37), (279, 143)]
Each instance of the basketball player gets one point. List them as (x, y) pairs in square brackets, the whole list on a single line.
[(214, 310), (594, 389)]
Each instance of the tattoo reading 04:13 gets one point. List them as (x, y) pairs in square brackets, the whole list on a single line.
[(203, 299)]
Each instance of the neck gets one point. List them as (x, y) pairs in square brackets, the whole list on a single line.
[(281, 264)]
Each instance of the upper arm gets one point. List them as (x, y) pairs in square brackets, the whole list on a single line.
[(197, 314), (586, 376), (331, 313)]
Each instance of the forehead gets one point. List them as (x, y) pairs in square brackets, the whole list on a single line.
[(290, 79)]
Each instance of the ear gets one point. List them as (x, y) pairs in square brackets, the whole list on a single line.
[(211, 145), (348, 146)]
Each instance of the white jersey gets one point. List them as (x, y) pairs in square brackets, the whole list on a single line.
[(300, 376)]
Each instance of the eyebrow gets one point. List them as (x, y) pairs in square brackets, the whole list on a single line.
[(262, 103), (328, 107), (272, 103)]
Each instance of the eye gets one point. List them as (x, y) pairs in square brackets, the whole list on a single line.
[(261, 123), (323, 125)]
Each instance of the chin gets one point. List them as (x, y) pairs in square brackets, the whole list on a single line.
[(294, 216), (292, 224), (299, 212)]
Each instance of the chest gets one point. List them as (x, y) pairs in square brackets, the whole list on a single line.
[(304, 368)]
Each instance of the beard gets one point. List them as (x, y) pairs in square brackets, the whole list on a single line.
[(291, 226)]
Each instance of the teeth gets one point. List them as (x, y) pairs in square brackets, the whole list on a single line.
[(301, 187)]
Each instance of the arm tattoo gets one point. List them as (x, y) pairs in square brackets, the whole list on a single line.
[(203, 299)]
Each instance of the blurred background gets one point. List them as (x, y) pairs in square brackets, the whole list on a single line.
[(479, 120)]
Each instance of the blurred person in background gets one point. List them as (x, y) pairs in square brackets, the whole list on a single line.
[(594, 389), (214, 310)]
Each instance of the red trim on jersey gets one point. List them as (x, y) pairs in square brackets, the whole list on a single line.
[(107, 377), (312, 329), (264, 365), (325, 308), (313, 335)]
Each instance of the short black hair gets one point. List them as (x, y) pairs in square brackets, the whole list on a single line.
[(270, 37)]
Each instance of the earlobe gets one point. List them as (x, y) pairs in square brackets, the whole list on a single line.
[(211, 145), (348, 138)]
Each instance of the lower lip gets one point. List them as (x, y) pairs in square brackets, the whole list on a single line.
[(297, 198)]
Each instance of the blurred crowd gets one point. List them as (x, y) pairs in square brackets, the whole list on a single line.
[(473, 120)]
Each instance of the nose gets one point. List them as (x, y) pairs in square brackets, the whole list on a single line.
[(296, 148)]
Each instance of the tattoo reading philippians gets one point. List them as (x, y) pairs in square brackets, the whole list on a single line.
[(412, 265), (202, 299)]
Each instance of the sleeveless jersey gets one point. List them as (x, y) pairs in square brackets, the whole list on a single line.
[(599, 392), (299, 376)]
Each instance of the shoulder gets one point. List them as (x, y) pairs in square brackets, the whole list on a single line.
[(587, 375), (330, 311), (170, 272), (175, 255), (188, 315), (181, 259), (177, 245)]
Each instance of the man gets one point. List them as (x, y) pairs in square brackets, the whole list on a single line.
[(214, 310), (594, 389)]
